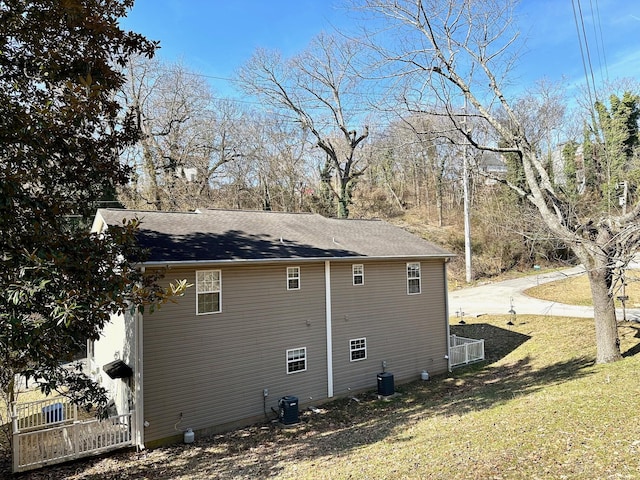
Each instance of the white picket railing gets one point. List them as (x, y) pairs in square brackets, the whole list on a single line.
[(49, 432), (463, 351), (43, 413)]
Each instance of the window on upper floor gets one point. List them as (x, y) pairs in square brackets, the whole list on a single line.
[(358, 349), (208, 291), (413, 278), (296, 360), (358, 274), (293, 278)]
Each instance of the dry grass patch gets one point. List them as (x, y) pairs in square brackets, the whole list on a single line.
[(537, 408), (576, 291)]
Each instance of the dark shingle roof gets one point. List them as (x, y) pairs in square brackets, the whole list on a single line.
[(224, 235)]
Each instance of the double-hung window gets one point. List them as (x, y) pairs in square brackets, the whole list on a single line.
[(208, 291), (296, 360), (358, 349), (358, 274), (413, 278), (293, 278)]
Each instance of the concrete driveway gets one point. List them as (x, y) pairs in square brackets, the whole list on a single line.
[(500, 297)]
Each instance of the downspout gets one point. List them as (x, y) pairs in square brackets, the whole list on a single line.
[(139, 390), (446, 313), (327, 289)]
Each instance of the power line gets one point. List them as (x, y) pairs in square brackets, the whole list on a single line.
[(370, 94), (588, 72), (603, 63)]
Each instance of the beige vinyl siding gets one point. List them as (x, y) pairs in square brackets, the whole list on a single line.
[(213, 368), (407, 331)]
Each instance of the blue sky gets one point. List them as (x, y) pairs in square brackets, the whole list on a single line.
[(215, 37), (553, 49)]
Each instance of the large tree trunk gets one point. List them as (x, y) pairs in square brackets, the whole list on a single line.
[(149, 168), (592, 244), (607, 342), (344, 199)]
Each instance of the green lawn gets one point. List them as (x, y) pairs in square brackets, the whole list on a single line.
[(537, 408)]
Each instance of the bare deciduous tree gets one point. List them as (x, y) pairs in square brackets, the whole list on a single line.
[(464, 49), (275, 166), (188, 136), (316, 88)]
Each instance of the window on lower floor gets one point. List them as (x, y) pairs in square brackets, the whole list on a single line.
[(208, 291), (413, 278), (358, 349), (297, 360)]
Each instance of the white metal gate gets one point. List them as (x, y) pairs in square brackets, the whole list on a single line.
[(48, 431)]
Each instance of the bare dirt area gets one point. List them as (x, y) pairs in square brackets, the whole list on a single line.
[(257, 451)]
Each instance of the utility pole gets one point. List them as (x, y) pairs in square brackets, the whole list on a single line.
[(465, 186)]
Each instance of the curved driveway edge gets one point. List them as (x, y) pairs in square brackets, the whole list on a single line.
[(500, 297)]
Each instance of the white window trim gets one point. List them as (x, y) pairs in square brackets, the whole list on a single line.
[(354, 274), (218, 291), (297, 277), (352, 349), (419, 278), (290, 361)]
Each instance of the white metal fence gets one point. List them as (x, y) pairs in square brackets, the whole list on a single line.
[(463, 351), (47, 432)]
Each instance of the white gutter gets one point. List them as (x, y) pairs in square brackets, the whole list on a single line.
[(327, 289), (236, 261)]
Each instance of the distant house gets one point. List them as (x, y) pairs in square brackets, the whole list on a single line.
[(559, 168), (281, 305), (491, 165)]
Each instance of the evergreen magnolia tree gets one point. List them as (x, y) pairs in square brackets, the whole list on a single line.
[(60, 136)]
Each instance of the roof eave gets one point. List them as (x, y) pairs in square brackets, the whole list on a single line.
[(187, 263)]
